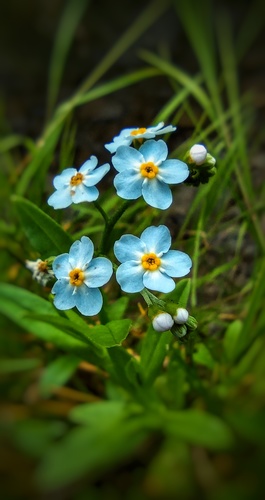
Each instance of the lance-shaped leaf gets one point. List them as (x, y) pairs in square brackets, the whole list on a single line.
[(45, 235)]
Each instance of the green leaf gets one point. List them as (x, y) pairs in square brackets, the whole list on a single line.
[(248, 423), (92, 449), (199, 428), (14, 140), (118, 331), (124, 369), (69, 21), (40, 161), (117, 309), (231, 340), (181, 292), (45, 235), (109, 335), (171, 385), (17, 304), (34, 437), (18, 365), (153, 352), (57, 373), (202, 356), (95, 413)]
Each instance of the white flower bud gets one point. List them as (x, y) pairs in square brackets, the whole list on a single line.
[(162, 322), (181, 316), (198, 154)]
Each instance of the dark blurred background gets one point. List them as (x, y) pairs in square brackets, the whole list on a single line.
[(27, 33)]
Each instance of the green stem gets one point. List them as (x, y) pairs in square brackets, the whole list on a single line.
[(151, 299), (146, 297), (189, 348), (101, 211), (110, 223)]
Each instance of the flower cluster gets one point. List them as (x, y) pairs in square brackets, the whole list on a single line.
[(146, 263), (170, 316)]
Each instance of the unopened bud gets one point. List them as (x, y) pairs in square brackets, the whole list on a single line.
[(179, 331), (198, 154), (162, 322), (210, 160), (192, 323), (181, 316)]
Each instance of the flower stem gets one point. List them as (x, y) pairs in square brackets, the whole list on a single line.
[(109, 225), (189, 348), (101, 211), (151, 299)]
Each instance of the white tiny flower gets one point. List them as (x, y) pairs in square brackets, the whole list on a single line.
[(181, 316), (162, 322), (198, 154), (40, 270)]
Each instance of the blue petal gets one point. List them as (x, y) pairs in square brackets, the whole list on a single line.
[(156, 193), (128, 184), (81, 253), (155, 280), (65, 297), (61, 266), (156, 239), (165, 130), (93, 178), (151, 132), (117, 142), (83, 193), (89, 165), (98, 272), (176, 263), (130, 277), (157, 127), (60, 199), (62, 180), (173, 171), (127, 158), (129, 247), (155, 151), (88, 300), (126, 132)]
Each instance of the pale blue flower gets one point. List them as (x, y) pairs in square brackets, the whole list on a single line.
[(128, 135), (147, 172), (75, 186), (148, 262), (79, 276)]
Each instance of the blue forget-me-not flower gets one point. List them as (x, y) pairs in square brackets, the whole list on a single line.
[(148, 262), (147, 172), (128, 135), (79, 276), (74, 186)]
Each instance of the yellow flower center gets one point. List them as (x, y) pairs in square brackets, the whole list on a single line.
[(138, 131), (77, 277), (149, 170), (43, 266), (76, 179), (150, 262)]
